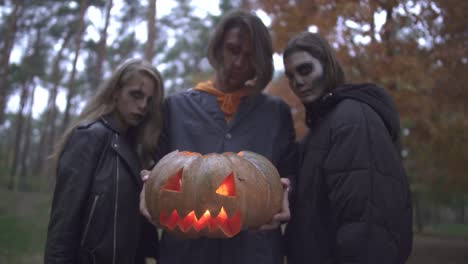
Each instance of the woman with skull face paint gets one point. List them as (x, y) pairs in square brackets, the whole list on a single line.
[(351, 200), (95, 209)]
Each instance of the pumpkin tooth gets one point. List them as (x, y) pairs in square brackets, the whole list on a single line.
[(171, 220), (188, 221), (229, 227), (200, 212), (235, 223), (230, 208), (203, 221), (184, 211), (222, 214)]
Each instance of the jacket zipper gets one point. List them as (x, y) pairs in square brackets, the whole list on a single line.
[(115, 210), (88, 223)]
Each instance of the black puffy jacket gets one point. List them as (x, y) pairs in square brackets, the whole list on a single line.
[(351, 201), (95, 214)]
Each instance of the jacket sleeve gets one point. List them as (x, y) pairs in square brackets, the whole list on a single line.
[(74, 174), (149, 243), (287, 144), (356, 208)]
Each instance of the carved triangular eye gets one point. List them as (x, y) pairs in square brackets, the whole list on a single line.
[(228, 186), (175, 182)]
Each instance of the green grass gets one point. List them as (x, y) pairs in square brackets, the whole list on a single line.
[(449, 229), (23, 225)]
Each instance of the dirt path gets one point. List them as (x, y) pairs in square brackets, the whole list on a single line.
[(429, 249)]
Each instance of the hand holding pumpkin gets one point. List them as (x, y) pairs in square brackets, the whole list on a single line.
[(285, 214), (144, 174)]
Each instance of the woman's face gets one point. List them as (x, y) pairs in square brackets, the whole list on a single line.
[(304, 73), (134, 99)]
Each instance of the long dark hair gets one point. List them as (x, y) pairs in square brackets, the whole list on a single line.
[(262, 48), (319, 48)]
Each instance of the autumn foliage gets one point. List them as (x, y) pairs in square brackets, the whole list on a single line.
[(415, 49)]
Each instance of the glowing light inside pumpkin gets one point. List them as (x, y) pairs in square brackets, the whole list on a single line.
[(228, 186), (189, 153), (175, 182), (222, 214), (230, 227)]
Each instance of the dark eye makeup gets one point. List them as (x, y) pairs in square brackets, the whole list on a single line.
[(305, 68), (233, 49), (136, 94)]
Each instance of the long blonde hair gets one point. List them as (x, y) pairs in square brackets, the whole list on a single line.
[(102, 103)]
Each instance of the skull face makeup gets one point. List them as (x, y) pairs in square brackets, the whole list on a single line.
[(305, 75)]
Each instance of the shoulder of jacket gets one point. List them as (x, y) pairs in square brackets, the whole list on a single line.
[(348, 111), (179, 96), (96, 127), (275, 100), (86, 124), (182, 94)]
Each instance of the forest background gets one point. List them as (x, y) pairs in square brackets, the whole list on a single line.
[(53, 55)]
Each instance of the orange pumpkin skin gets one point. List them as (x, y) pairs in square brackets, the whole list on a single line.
[(214, 195)]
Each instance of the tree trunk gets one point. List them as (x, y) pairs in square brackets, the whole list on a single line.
[(8, 41), (72, 83), (49, 124), (149, 48), (13, 183), (417, 212), (389, 40), (25, 158), (102, 48)]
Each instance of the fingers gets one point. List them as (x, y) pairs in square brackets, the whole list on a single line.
[(144, 174), (284, 215), (143, 209), (286, 183)]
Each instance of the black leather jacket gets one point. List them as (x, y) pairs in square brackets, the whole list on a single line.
[(95, 214)]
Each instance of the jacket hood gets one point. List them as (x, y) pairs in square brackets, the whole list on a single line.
[(375, 97)]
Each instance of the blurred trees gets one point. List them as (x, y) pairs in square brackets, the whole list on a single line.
[(9, 30)]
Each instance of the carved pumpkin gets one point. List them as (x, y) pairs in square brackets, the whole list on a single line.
[(214, 195)]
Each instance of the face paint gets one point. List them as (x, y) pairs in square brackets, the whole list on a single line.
[(133, 100), (305, 75)]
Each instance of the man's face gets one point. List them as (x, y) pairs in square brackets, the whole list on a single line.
[(237, 60), (304, 73)]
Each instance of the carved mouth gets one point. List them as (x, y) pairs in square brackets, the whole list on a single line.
[(229, 226)]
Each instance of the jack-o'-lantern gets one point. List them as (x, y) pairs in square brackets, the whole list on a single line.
[(213, 195)]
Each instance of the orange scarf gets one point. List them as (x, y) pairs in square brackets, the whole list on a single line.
[(228, 102)]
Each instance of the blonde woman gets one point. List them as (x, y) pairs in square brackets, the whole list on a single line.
[(95, 216)]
